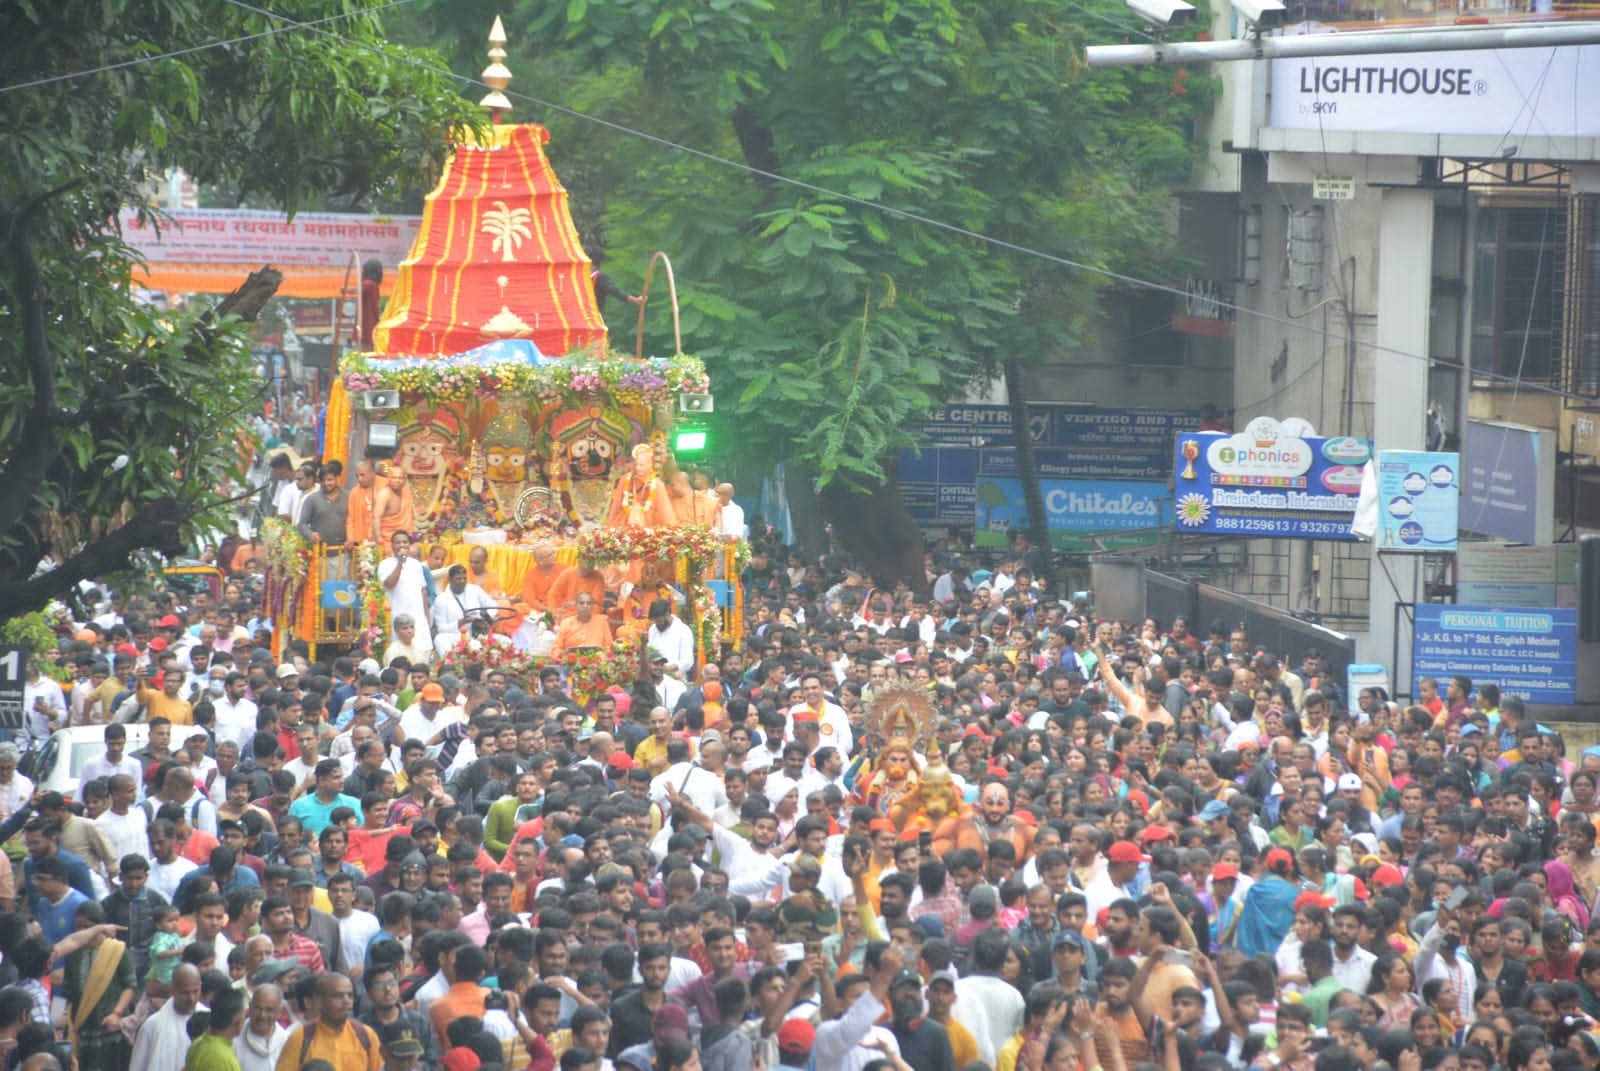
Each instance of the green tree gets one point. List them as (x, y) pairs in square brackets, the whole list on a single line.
[(119, 421), (833, 322)]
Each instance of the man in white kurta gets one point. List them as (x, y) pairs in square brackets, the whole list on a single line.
[(404, 579), (163, 1039), (451, 609)]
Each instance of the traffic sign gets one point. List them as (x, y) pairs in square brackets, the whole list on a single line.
[(13, 684)]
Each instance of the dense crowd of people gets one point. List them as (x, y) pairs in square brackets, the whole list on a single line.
[(1160, 849)]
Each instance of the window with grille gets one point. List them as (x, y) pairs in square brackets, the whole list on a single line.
[(1580, 351), (1520, 268)]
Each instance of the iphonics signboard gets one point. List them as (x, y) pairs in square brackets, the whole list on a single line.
[(1546, 91)]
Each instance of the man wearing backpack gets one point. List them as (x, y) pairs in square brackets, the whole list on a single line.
[(334, 1037), (177, 787)]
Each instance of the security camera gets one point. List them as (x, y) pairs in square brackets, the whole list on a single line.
[(1163, 13), (1261, 14)]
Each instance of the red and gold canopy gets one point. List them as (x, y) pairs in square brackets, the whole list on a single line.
[(497, 258)]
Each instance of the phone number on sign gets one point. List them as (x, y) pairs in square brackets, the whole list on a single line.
[(1280, 526)]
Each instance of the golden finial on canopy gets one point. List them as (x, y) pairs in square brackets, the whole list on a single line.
[(496, 75)]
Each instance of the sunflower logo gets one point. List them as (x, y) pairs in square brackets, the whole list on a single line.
[(1193, 510)]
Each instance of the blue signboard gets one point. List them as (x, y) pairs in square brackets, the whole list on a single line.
[(1532, 653), (1419, 499), (1501, 480), (1070, 443), (1078, 511), (1064, 463), (1271, 479), (936, 484)]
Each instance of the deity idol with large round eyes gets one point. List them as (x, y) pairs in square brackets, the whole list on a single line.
[(426, 454)]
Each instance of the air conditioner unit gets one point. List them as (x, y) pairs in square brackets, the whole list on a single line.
[(696, 403), (380, 399)]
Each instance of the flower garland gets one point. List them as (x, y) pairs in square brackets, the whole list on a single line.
[(591, 671), (652, 381), (288, 566), (373, 595), (707, 618), (693, 543), (497, 652)]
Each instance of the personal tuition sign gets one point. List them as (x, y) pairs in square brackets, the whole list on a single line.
[(1532, 653), (1480, 92), (1272, 479)]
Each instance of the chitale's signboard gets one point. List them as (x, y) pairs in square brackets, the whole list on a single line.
[(1548, 91)]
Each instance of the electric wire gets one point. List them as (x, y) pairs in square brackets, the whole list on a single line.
[(822, 191), (39, 83)]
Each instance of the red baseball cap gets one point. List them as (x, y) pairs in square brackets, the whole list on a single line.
[(795, 1037), (1152, 834), (1224, 872), (1386, 875), (170, 621), (620, 760), (1125, 851), (158, 644)]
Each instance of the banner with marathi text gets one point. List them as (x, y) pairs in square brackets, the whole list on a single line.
[(211, 251)]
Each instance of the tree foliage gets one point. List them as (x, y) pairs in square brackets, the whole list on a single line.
[(837, 321), (118, 420)]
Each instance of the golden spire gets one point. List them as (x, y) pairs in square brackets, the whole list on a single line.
[(496, 76)]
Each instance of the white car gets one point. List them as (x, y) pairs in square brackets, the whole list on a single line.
[(56, 766)]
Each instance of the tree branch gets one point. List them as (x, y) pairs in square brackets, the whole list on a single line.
[(245, 303), (159, 525)]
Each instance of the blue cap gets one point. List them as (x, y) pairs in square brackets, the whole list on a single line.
[(1073, 938), (1213, 810)]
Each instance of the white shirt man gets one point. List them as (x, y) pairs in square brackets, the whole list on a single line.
[(451, 608), (405, 644), (1354, 973), (236, 715), (356, 931), (416, 724), (101, 766), (164, 877), (833, 724), (1003, 1009), (163, 1039), (674, 642), (45, 706), (730, 517), (702, 787), (286, 503), (839, 1044), (129, 833), (254, 1051)]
